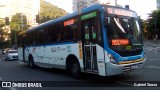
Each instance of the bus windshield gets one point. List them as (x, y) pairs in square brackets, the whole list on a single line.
[(124, 33)]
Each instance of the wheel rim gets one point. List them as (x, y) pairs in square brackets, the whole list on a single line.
[(30, 63), (75, 68)]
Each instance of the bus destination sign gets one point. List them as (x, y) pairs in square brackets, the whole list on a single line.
[(122, 12), (69, 22)]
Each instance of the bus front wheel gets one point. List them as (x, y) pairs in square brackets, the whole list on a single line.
[(75, 69)]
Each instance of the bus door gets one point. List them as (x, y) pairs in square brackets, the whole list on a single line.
[(23, 51), (24, 46), (89, 44), (21, 43)]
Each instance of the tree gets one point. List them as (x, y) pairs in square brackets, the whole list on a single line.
[(49, 11), (1, 30), (4, 34), (153, 24), (18, 23), (144, 27)]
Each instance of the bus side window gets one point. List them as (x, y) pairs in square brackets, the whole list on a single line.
[(99, 33), (87, 34), (29, 39), (69, 30), (34, 38), (94, 34), (49, 36), (40, 36), (94, 31), (53, 33)]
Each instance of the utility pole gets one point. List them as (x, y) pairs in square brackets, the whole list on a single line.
[(156, 30)]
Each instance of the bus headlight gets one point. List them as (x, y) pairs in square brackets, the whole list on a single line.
[(112, 59)]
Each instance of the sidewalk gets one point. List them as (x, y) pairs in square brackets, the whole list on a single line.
[(153, 43)]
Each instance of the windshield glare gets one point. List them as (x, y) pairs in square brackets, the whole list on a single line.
[(123, 31)]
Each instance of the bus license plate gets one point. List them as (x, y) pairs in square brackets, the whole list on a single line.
[(135, 66)]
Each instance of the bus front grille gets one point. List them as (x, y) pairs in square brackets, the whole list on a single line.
[(130, 68)]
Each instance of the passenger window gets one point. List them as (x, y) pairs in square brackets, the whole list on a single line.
[(69, 30), (53, 33)]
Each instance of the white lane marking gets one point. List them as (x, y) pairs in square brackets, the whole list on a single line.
[(125, 84), (11, 88), (157, 51), (154, 67), (154, 59), (149, 49)]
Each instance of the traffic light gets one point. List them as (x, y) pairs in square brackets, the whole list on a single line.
[(7, 20)]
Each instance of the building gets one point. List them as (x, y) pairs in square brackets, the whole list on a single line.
[(29, 8), (158, 4), (80, 4)]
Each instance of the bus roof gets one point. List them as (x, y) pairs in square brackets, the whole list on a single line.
[(94, 7), (85, 10)]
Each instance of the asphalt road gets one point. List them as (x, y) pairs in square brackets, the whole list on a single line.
[(18, 71)]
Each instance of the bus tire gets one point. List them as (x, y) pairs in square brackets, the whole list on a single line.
[(31, 62), (74, 68)]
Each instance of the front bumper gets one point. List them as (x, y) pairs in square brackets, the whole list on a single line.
[(115, 69), (15, 57)]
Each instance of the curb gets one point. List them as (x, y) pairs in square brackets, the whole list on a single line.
[(152, 45)]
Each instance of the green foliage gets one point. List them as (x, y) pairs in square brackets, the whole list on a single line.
[(2, 23), (153, 24), (18, 23), (3, 30), (49, 11), (3, 34)]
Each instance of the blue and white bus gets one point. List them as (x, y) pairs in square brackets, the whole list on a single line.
[(101, 39)]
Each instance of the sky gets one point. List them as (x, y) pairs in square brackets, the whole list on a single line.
[(142, 7)]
